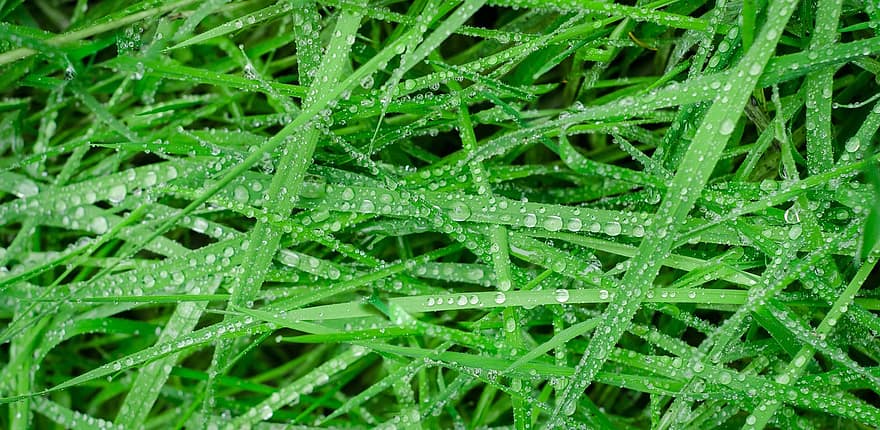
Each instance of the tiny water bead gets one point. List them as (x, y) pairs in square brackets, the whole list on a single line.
[(613, 228), (150, 179), (638, 231), (853, 144), (460, 212), (241, 194), (755, 69), (727, 126), (117, 193), (792, 215), (99, 225), (504, 285), (26, 188), (347, 193), (552, 223), (569, 408), (530, 220), (561, 295), (266, 412), (795, 231)]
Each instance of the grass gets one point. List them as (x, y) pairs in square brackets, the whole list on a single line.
[(467, 214)]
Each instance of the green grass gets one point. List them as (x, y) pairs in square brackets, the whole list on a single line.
[(414, 215)]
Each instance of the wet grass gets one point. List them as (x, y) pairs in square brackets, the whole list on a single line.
[(464, 214)]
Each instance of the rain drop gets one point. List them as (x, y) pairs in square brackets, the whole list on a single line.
[(613, 228), (240, 194), (116, 193), (530, 220), (500, 298), (727, 127), (347, 194), (26, 188), (795, 232), (460, 212), (792, 215), (553, 223), (99, 225), (561, 295), (853, 144)]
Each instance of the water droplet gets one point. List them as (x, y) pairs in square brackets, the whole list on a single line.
[(792, 215), (500, 298), (553, 223), (561, 295), (99, 225), (347, 194), (26, 188), (755, 69), (240, 194), (116, 193), (504, 285), (795, 231), (727, 127), (460, 212), (569, 408), (853, 144), (70, 72), (199, 225), (638, 231), (603, 294), (613, 228), (150, 179), (530, 220), (289, 258), (574, 224), (266, 412)]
